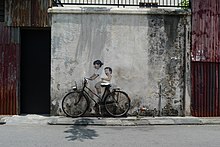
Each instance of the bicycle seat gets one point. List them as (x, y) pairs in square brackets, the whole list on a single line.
[(105, 84), (74, 87)]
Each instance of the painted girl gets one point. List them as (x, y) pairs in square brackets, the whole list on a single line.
[(96, 76)]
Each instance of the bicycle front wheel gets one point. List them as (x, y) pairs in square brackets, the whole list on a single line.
[(117, 103), (75, 104)]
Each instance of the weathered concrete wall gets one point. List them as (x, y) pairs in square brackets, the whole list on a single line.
[(145, 48)]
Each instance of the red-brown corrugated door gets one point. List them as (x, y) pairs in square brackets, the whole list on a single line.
[(205, 84), (205, 58), (15, 14), (9, 59)]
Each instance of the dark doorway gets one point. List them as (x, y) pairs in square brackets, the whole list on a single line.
[(35, 71)]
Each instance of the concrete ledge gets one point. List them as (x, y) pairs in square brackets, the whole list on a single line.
[(111, 122), (141, 122), (188, 121), (110, 10), (130, 121), (161, 121), (77, 121), (210, 120)]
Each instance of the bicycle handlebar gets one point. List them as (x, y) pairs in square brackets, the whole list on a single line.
[(85, 81)]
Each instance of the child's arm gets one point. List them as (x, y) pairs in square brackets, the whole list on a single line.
[(93, 77), (109, 77)]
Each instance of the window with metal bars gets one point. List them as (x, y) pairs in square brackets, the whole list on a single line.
[(2, 10)]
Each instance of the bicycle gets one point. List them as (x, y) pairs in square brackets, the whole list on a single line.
[(77, 102)]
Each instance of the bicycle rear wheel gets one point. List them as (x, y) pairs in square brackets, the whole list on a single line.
[(75, 104), (117, 103)]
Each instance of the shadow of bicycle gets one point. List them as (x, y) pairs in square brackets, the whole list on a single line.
[(80, 131)]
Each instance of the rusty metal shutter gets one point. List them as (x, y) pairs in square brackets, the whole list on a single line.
[(2, 10), (205, 89), (9, 71), (8, 79), (205, 58)]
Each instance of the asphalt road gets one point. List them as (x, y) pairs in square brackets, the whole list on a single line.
[(89, 136)]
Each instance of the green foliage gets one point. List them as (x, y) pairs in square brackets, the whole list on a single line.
[(184, 4)]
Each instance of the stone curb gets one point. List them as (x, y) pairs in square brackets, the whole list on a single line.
[(210, 121), (134, 121), (188, 121), (72, 121)]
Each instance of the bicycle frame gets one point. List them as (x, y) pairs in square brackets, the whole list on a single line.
[(85, 90)]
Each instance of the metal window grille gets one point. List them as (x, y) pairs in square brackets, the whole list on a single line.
[(139, 3)]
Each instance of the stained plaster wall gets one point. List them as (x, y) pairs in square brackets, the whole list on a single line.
[(146, 49)]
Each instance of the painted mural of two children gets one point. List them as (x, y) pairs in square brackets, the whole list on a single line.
[(97, 76)]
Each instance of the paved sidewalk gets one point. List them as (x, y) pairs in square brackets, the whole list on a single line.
[(100, 121)]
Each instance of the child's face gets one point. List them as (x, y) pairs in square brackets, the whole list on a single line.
[(96, 66), (107, 72)]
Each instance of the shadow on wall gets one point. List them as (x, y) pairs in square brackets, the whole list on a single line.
[(80, 132)]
